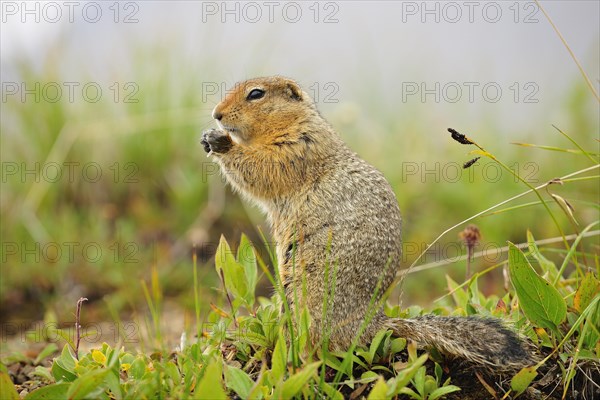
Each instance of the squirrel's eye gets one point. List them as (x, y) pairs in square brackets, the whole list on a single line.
[(255, 94)]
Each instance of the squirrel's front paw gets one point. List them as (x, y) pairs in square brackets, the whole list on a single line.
[(216, 141)]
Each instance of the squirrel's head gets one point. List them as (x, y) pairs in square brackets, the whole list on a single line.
[(262, 109)]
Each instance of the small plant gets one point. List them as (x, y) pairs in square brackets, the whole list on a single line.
[(428, 387)]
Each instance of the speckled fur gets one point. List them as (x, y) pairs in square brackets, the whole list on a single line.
[(327, 206)]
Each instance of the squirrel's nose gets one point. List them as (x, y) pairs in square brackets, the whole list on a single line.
[(217, 115)]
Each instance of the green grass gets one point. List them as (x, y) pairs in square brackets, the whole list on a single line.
[(243, 350)]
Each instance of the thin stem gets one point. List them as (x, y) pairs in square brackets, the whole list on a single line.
[(196, 294), (78, 325), (228, 298), (469, 256), (576, 144), (583, 178)]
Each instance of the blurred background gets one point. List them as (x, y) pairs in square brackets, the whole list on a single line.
[(105, 184)]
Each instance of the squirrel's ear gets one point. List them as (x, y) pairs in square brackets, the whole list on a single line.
[(294, 91)]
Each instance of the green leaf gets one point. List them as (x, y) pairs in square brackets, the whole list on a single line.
[(223, 255), (331, 392), (247, 259), (43, 373), (411, 393), (296, 382), (398, 344), (67, 359), (355, 360), (588, 289), (7, 389), (113, 383), (473, 296), (547, 266), (138, 369), (48, 350), (590, 333), (444, 390), (379, 391), (419, 381), (541, 303), (369, 376), (89, 385), (99, 357), (257, 390), (399, 382), (211, 384), (460, 297), (172, 372), (375, 344), (233, 273), (430, 385), (238, 381), (50, 392), (60, 373), (438, 373), (112, 355), (63, 367), (521, 381), (253, 338), (332, 361), (279, 360)]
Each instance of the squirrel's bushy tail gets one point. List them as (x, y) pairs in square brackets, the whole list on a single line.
[(483, 342)]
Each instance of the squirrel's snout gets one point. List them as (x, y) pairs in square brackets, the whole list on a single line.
[(217, 114)]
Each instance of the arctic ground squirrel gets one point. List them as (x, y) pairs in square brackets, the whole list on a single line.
[(333, 214)]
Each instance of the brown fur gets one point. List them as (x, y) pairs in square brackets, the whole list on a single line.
[(328, 207)]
